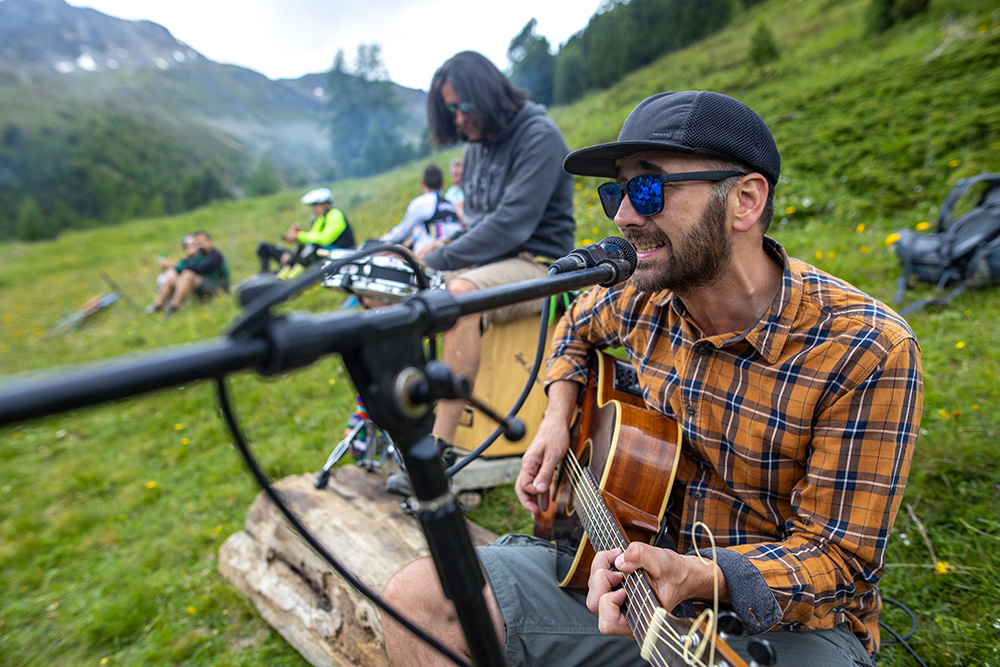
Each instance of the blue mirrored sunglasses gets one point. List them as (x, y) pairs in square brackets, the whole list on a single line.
[(645, 191), (465, 107)]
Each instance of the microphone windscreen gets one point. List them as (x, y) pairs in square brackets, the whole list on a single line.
[(626, 248)]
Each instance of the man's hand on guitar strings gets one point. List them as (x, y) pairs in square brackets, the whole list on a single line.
[(674, 577), (605, 595), (539, 461)]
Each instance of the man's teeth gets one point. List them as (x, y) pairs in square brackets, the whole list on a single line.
[(646, 247)]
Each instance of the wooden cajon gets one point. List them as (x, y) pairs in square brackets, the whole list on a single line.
[(508, 351)]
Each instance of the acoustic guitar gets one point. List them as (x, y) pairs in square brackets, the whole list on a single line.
[(612, 489)]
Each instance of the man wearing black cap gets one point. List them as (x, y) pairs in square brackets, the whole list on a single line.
[(797, 399)]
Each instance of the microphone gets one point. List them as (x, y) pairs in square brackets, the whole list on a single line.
[(614, 252)]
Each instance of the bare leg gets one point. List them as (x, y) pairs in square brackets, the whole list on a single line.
[(186, 283), (166, 291), (462, 351), (416, 593)]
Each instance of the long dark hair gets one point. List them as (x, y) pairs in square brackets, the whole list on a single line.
[(478, 81)]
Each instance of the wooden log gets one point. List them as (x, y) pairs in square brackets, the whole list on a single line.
[(297, 592)]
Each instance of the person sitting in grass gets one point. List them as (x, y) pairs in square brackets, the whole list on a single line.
[(330, 229), (207, 275), (170, 268)]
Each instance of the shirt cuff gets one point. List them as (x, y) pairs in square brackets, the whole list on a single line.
[(750, 596)]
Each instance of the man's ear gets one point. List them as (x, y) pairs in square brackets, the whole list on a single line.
[(749, 198)]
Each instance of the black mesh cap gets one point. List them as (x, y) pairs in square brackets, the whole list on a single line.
[(694, 121)]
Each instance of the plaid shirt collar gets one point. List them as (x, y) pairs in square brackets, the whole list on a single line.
[(769, 334)]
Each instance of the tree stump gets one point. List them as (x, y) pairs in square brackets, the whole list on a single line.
[(297, 592)]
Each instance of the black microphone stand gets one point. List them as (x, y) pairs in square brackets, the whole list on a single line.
[(383, 352)]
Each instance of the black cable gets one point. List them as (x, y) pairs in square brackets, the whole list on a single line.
[(311, 540), (897, 639), (909, 612)]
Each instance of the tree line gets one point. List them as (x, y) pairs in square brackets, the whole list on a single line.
[(106, 167), (623, 36)]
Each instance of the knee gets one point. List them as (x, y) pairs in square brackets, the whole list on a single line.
[(460, 286), (414, 591)]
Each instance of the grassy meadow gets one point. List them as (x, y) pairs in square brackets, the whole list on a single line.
[(111, 517)]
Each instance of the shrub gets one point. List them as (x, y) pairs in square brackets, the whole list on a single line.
[(762, 47)]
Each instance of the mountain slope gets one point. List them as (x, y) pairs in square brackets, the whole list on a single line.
[(64, 70)]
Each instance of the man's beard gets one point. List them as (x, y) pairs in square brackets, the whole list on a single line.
[(703, 253)]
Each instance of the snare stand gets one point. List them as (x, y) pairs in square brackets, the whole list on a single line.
[(378, 447)]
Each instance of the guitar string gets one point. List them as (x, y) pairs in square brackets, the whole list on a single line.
[(666, 633), (708, 617), (645, 610)]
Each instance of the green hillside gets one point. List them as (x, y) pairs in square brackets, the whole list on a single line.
[(111, 518)]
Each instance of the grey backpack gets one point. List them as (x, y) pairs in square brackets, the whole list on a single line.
[(959, 253)]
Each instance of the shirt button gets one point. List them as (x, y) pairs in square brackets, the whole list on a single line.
[(690, 410), (697, 494), (703, 349)]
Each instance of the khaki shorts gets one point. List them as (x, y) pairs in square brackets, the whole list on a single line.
[(504, 272)]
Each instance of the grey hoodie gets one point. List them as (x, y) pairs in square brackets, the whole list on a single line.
[(517, 196)]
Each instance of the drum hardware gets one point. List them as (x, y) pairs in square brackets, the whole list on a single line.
[(378, 277)]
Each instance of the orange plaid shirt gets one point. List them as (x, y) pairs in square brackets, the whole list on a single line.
[(797, 434)]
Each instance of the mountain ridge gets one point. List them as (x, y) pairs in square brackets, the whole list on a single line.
[(63, 68)]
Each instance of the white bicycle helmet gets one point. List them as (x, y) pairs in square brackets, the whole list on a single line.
[(317, 196)]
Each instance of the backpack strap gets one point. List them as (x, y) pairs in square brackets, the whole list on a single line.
[(961, 187), (938, 301)]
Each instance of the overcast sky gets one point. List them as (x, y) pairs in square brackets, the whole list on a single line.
[(289, 38)]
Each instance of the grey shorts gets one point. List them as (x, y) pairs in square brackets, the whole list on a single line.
[(548, 625), (504, 272)]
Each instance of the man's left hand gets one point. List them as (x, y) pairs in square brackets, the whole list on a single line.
[(675, 578)]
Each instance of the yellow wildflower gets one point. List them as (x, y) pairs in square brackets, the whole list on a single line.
[(923, 226), (104, 661), (891, 238), (960, 344), (587, 241), (789, 210), (954, 163), (595, 230), (943, 414), (943, 567), (191, 610), (860, 228), (178, 427), (185, 441), (579, 186), (150, 484), (819, 254), (831, 254), (864, 249)]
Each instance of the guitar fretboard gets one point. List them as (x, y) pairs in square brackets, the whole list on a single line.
[(664, 640)]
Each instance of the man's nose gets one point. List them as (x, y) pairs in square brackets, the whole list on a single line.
[(627, 215)]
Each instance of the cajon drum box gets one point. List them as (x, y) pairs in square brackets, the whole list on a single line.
[(507, 356)]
